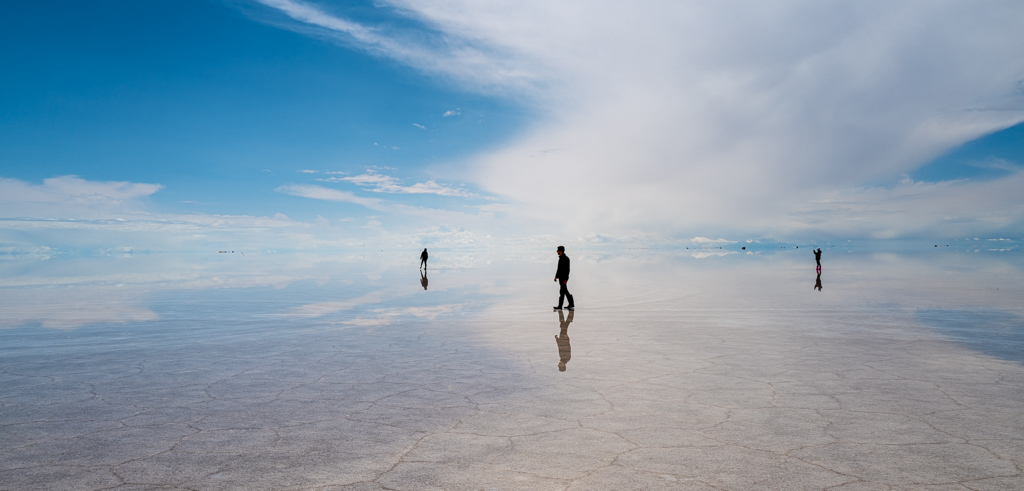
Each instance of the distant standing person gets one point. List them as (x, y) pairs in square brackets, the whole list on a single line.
[(817, 257), (423, 259), (562, 277)]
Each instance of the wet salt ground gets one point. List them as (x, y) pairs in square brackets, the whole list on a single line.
[(904, 372)]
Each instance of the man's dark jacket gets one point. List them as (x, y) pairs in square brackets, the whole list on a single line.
[(563, 268)]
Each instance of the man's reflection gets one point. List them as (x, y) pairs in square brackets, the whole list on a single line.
[(562, 338), (817, 282), (423, 278)]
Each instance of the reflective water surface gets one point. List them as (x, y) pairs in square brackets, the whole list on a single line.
[(684, 370)]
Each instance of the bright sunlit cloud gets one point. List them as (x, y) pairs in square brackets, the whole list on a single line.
[(685, 117)]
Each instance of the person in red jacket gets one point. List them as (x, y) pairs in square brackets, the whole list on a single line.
[(562, 277)]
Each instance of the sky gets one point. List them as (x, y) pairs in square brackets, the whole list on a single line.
[(284, 124)]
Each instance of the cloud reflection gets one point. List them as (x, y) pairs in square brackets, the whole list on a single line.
[(321, 309), (364, 290)]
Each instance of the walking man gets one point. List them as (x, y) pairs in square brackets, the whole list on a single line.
[(562, 277), (423, 259)]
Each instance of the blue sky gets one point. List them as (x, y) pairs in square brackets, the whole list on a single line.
[(992, 156), (434, 120), (218, 108)]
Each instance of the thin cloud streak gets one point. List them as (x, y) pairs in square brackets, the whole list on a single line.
[(394, 210), (471, 62), (328, 194), (382, 183)]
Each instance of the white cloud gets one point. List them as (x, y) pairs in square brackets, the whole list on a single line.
[(474, 62), (917, 209), (997, 164), (70, 215), (452, 112), (70, 197), (328, 194), (686, 117), (709, 242), (396, 212), (432, 187), (420, 126), (53, 220), (382, 183), (73, 189), (368, 179)]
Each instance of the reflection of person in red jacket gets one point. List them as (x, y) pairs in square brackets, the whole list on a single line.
[(562, 277), (564, 350)]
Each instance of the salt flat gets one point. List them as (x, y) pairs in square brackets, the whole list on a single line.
[(905, 371)]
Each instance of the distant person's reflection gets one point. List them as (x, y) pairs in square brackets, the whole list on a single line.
[(817, 282), (423, 278), (562, 338)]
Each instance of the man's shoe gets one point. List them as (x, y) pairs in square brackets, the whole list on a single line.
[(557, 308), (572, 308)]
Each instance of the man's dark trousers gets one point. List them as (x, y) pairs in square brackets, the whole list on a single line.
[(562, 293)]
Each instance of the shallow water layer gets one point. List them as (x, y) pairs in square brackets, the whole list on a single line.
[(677, 370)]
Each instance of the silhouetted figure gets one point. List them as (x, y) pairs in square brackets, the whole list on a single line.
[(423, 279), (562, 277), (562, 338), (423, 259), (817, 258), (817, 282)]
